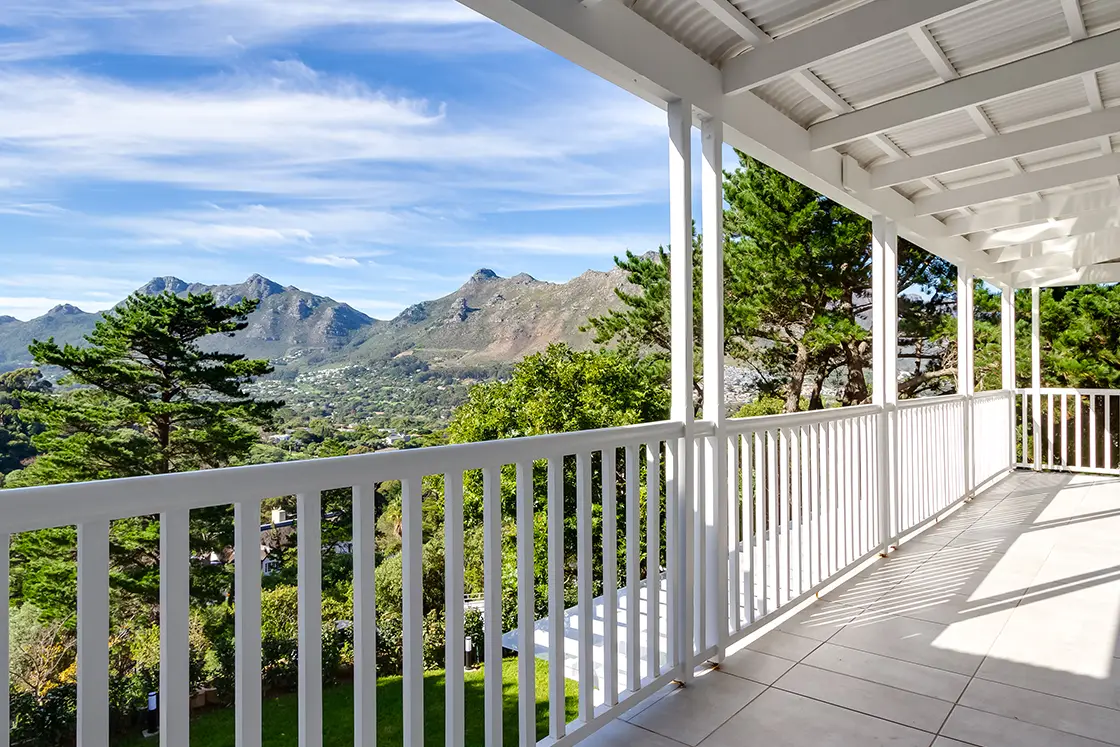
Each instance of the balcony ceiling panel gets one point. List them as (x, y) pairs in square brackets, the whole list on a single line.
[(794, 100), (1109, 82), (976, 175), (1061, 99), (1100, 15), (866, 152), (693, 26), (782, 17), (953, 128), (991, 34), (1069, 153), (893, 67)]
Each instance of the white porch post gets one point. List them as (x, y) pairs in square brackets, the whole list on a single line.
[(1007, 350), (884, 362), (682, 592), (1036, 378), (716, 486), (966, 380)]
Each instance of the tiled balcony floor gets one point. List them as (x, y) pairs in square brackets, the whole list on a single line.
[(997, 627)]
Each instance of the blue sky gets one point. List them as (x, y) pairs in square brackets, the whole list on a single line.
[(376, 151)]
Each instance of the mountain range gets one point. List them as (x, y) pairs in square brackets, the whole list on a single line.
[(488, 319)]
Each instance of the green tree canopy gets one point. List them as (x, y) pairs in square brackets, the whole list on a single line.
[(797, 285), (146, 397), (16, 430)]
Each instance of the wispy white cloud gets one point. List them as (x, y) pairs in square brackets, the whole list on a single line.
[(331, 260), (196, 28), (566, 245)]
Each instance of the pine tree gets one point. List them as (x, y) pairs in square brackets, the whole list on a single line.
[(147, 398)]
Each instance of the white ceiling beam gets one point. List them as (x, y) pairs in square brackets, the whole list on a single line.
[(933, 52), (1054, 207), (1074, 19), (1014, 239), (735, 20), (1021, 142), (1034, 181), (618, 45), (841, 33), (1025, 74)]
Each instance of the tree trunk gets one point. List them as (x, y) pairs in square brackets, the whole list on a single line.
[(797, 378), (855, 391), (816, 399)]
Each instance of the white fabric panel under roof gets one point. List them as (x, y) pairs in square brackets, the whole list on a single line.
[(1100, 15), (793, 100), (781, 17), (1109, 82), (1058, 100), (863, 77), (994, 33), (935, 133), (693, 26)]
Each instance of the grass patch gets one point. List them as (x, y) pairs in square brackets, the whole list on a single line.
[(281, 714)]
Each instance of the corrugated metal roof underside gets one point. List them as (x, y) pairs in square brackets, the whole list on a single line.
[(991, 34), (793, 100), (1100, 15), (1108, 80), (1046, 103), (935, 133), (782, 17), (885, 70), (693, 26)]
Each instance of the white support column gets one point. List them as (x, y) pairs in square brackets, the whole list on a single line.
[(1007, 351), (715, 484), (1036, 378), (681, 343), (884, 363), (966, 380)]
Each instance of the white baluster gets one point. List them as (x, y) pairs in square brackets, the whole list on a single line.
[(174, 628), (526, 608), (492, 594), (365, 620), (557, 717), (310, 591), (247, 622)]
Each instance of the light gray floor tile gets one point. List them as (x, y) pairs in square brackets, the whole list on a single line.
[(623, 734), (1082, 677), (784, 645), (755, 665), (819, 621), (889, 703), (936, 683), (1050, 711), (691, 713), (920, 642), (781, 719), (989, 730)]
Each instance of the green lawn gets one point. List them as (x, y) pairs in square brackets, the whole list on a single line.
[(281, 714)]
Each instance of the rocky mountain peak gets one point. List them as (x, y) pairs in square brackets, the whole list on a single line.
[(155, 286), (8, 319), (65, 309), (258, 286), (483, 275)]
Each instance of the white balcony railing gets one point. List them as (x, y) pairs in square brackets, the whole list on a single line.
[(799, 505), (1069, 430)]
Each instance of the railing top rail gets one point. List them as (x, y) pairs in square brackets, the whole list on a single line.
[(793, 419), (23, 509), (1068, 390), (944, 399), (992, 394)]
